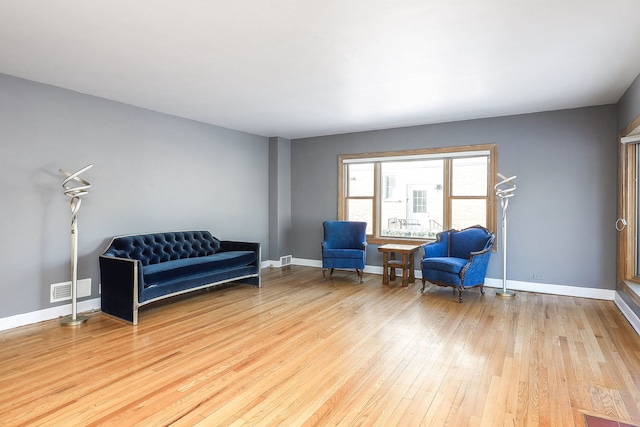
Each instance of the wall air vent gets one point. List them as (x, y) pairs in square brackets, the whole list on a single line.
[(285, 260), (62, 291)]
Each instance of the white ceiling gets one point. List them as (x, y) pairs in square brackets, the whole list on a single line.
[(297, 68)]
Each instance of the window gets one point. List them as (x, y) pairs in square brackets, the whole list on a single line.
[(628, 224), (419, 201), (389, 186), (416, 194)]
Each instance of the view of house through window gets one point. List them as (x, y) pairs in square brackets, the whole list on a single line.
[(416, 207), (416, 194)]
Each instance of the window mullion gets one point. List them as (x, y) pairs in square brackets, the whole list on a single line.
[(447, 182), (377, 188)]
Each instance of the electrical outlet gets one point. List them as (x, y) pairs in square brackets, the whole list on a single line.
[(537, 276)]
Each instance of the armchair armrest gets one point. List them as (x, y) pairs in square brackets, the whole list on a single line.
[(474, 272), (439, 248)]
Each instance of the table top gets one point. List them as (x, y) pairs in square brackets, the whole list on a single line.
[(392, 247)]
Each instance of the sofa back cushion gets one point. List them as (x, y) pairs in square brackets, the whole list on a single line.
[(160, 247)]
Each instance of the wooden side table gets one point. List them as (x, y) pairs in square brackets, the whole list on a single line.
[(390, 263)]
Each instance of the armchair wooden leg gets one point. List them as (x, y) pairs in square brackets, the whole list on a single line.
[(424, 284), (482, 289), (323, 271), (460, 289), (359, 275)]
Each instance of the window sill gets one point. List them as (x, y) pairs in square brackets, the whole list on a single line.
[(398, 241), (632, 289)]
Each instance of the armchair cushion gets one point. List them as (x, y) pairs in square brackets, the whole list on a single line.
[(343, 253), (445, 264)]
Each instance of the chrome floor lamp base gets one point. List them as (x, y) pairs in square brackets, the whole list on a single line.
[(505, 293), (70, 321)]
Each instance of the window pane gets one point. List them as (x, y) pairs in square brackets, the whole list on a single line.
[(469, 176), (415, 206), (360, 180), (361, 210), (419, 201), (389, 186), (468, 212)]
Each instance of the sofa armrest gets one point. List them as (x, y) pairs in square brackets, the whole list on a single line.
[(121, 280), (228, 245)]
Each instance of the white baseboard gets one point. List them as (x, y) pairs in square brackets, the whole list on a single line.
[(546, 288), (47, 314), (277, 263), (309, 262)]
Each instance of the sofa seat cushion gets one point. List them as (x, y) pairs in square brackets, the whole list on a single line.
[(446, 264), (157, 274), (343, 253)]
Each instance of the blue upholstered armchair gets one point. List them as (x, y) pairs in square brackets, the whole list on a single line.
[(344, 246), (458, 258)]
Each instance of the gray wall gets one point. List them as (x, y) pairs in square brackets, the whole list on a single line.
[(561, 221), (151, 172), (629, 105)]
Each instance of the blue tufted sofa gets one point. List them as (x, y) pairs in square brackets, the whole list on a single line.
[(136, 270)]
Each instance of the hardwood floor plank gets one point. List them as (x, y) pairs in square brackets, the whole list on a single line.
[(301, 352)]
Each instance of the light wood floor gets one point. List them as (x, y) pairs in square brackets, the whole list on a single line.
[(301, 352)]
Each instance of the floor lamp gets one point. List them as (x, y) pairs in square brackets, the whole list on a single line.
[(78, 188), (505, 189)]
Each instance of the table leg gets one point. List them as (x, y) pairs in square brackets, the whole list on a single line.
[(392, 273), (404, 270), (385, 263), (412, 268)]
